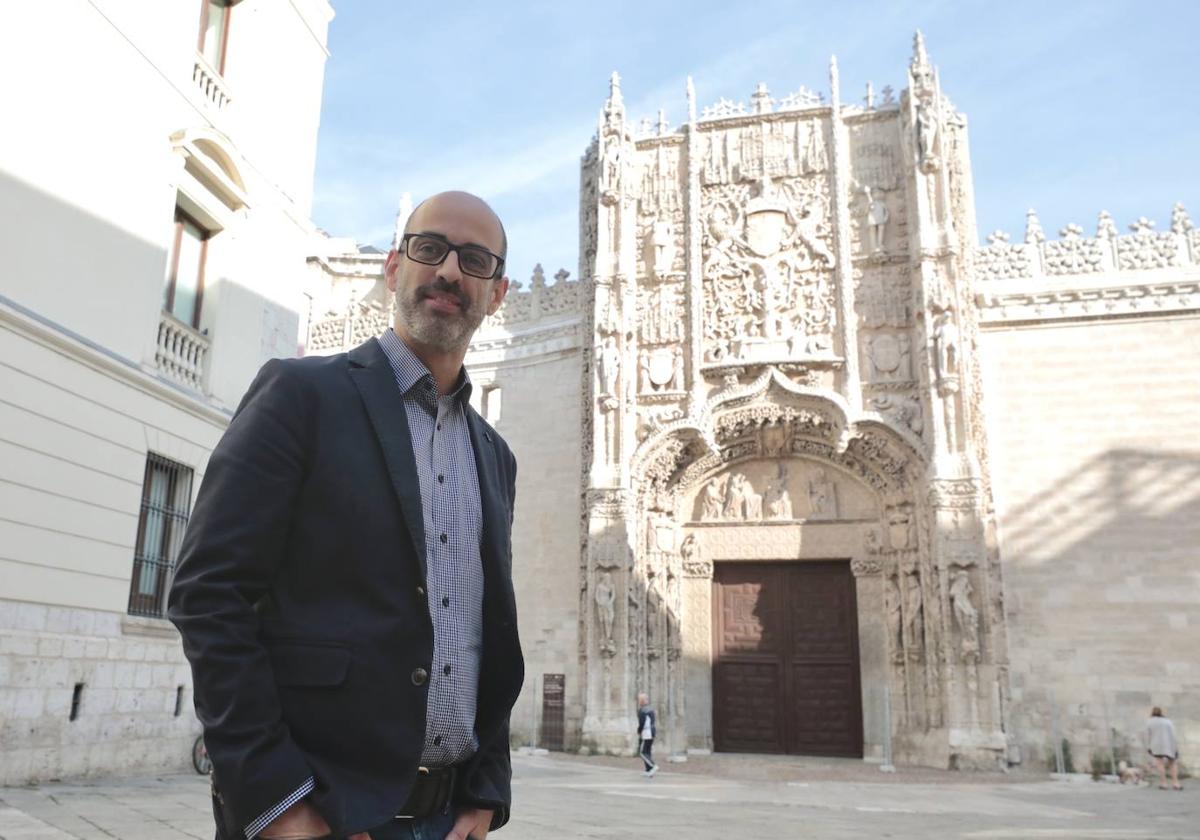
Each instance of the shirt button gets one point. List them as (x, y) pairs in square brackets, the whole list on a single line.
[(441, 478), (439, 427), (443, 538), (437, 740), (419, 676), (446, 670), (446, 601)]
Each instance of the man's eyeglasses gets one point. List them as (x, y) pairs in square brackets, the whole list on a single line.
[(431, 249)]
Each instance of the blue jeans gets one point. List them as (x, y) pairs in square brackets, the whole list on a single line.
[(430, 828)]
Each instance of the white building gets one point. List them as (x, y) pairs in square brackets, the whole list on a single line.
[(156, 172)]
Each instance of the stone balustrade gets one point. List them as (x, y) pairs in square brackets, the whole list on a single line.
[(181, 353)]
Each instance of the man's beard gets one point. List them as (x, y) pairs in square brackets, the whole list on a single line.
[(443, 331)]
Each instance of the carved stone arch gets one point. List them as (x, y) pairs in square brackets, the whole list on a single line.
[(212, 187)]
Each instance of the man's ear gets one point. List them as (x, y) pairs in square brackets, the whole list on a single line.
[(390, 267), (498, 293)]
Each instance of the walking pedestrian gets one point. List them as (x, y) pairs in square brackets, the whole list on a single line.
[(647, 727), (1162, 745)]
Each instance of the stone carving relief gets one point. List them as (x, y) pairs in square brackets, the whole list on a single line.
[(775, 149), (900, 410), (778, 500), (882, 296), (695, 564), (735, 496), (661, 314), (895, 619), (889, 354), (768, 285), (875, 161), (946, 348), (660, 370), (822, 496), (914, 616)]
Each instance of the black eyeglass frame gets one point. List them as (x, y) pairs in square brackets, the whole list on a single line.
[(457, 249)]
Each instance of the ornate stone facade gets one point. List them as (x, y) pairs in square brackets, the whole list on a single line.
[(776, 334)]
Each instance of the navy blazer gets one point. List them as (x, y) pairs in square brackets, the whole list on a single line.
[(300, 599)]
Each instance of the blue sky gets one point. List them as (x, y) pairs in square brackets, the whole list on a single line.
[(1073, 107)]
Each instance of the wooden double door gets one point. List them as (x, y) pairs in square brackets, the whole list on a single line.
[(786, 670)]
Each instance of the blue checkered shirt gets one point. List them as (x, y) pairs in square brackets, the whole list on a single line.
[(454, 580)]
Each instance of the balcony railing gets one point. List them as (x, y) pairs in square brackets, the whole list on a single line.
[(212, 87), (182, 352)]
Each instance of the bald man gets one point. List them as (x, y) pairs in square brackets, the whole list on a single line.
[(344, 591)]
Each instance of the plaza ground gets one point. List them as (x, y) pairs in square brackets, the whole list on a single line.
[(725, 796)]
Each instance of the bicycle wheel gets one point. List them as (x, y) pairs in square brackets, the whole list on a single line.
[(200, 759)]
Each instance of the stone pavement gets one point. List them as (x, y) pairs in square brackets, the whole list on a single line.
[(561, 796)]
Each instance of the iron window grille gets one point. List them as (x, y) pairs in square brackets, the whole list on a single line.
[(166, 504)]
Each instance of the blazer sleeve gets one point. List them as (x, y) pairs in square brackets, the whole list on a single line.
[(234, 545)]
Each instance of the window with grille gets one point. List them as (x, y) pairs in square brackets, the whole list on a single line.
[(166, 503)]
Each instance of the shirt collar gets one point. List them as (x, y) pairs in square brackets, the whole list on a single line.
[(411, 373)]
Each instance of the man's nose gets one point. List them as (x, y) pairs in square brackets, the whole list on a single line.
[(450, 270)]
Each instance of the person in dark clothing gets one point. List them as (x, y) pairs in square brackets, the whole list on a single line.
[(647, 727)]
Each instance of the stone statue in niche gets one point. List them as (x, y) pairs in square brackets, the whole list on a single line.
[(610, 365), (777, 499), (644, 371), (945, 344), (606, 597), (877, 219), (690, 553), (753, 504), (965, 614), (662, 240), (927, 129), (822, 496), (677, 382), (895, 620), (654, 608), (914, 624), (712, 500)]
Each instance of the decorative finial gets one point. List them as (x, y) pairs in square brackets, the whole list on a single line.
[(998, 237), (761, 99), (1106, 228), (833, 81), (1142, 225), (1180, 221), (691, 100), (869, 99), (402, 213), (1033, 228), (614, 108), (1071, 231), (538, 280), (920, 57), (662, 122)]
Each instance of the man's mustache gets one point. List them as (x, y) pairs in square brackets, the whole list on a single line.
[(441, 287)]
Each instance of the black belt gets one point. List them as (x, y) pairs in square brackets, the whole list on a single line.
[(430, 794)]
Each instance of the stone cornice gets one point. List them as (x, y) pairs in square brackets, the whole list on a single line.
[(1168, 297)]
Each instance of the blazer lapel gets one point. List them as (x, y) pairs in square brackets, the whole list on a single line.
[(372, 374)]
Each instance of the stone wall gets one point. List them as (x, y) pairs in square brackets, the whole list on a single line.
[(539, 417), (1097, 485)]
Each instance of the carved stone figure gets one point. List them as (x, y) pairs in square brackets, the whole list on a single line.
[(735, 498), (965, 614), (895, 620), (753, 504), (606, 596), (777, 498), (914, 624), (662, 239), (712, 500), (877, 219), (945, 344), (610, 364), (822, 496), (926, 135), (644, 385), (900, 528)]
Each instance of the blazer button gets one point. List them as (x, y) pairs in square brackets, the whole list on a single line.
[(419, 676), (421, 591)]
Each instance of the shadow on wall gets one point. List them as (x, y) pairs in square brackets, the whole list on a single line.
[(1103, 600)]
